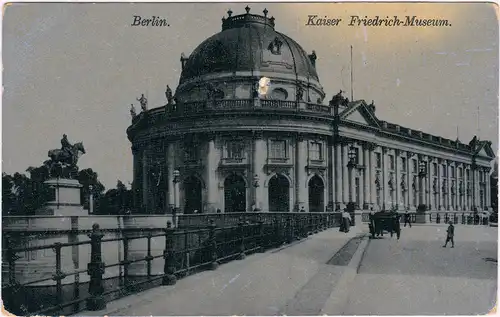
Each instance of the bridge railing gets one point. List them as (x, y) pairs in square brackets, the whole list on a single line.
[(182, 251)]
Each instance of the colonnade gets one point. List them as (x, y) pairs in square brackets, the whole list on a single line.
[(383, 177)]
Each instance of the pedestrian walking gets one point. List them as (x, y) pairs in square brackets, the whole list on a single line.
[(407, 218), (347, 220), (450, 232)]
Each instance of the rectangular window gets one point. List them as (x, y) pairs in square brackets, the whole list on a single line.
[(452, 172), (414, 165), (434, 169), (403, 164), (278, 149), (460, 172), (467, 174), (391, 162), (235, 149), (444, 170), (315, 152), (379, 160)]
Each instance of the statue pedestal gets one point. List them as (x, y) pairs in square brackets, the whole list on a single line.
[(66, 201)]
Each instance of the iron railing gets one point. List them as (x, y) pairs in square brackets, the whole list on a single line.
[(186, 251)]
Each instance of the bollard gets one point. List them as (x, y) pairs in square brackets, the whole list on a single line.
[(447, 218), (169, 277), (438, 218), (241, 230), (95, 269), (455, 219), (59, 275), (213, 246), (430, 217), (463, 218), (316, 224)]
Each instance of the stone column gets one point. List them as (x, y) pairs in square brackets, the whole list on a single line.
[(331, 173), (440, 185), (345, 174), (397, 180), (429, 184), (258, 162), (301, 191), (338, 174), (170, 174), (145, 185), (135, 188), (211, 176), (448, 173), (373, 171), (487, 190), (384, 179), (366, 176), (409, 175)]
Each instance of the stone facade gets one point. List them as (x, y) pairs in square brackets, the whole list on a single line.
[(288, 151)]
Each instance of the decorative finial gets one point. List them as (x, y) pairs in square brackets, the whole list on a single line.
[(247, 9), (229, 13), (265, 12), (272, 19)]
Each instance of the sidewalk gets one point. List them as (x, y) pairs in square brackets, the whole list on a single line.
[(292, 280)]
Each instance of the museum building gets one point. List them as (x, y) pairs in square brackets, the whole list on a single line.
[(224, 143)]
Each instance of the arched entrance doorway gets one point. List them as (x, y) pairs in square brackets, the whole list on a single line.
[(316, 194), (192, 195), (279, 194), (235, 198)]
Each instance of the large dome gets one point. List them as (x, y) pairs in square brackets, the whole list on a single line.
[(249, 42)]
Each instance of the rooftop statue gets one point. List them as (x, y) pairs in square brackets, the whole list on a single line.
[(64, 161), (339, 100), (132, 111), (144, 102)]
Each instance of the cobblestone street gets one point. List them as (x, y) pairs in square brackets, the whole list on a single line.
[(417, 276)]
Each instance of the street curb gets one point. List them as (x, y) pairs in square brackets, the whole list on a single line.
[(334, 306)]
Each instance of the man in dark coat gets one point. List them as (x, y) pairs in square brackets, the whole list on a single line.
[(450, 233), (407, 218)]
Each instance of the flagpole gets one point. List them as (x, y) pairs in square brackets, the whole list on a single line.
[(352, 94)]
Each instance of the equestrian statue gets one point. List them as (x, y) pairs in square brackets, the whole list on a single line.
[(63, 162)]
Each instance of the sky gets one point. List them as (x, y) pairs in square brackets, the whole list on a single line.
[(75, 68)]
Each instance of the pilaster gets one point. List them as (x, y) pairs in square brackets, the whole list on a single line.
[(301, 188), (345, 174), (366, 176), (258, 162), (397, 176), (170, 174), (338, 175), (211, 176)]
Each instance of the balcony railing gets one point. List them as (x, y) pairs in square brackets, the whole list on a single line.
[(247, 104)]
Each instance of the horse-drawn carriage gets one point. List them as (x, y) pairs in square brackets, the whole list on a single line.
[(385, 221)]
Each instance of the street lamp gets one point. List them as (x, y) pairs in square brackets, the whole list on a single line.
[(422, 173), (176, 193), (91, 200), (255, 185), (352, 155)]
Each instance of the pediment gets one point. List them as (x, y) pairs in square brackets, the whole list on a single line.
[(358, 112), (485, 150), (357, 117)]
